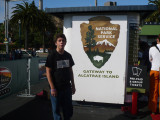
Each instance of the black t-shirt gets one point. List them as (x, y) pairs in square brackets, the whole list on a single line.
[(60, 65)]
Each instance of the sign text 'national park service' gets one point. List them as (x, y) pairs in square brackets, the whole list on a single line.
[(99, 38)]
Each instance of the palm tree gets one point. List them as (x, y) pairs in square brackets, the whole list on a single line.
[(27, 13), (155, 16)]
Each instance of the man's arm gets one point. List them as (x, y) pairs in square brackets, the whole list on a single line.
[(72, 81), (150, 55), (49, 77)]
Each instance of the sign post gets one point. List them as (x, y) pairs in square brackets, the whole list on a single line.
[(134, 103), (28, 90), (136, 83)]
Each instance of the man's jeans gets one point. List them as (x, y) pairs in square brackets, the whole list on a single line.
[(63, 101)]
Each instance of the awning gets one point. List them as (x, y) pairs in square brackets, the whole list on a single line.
[(150, 30), (144, 10)]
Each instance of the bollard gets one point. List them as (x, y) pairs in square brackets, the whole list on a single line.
[(134, 103)]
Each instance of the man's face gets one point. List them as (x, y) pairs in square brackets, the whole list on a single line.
[(60, 43)]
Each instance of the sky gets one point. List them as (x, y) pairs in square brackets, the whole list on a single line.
[(68, 3)]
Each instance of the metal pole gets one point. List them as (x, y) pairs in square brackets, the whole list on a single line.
[(29, 87), (5, 20), (6, 36), (28, 92), (7, 17), (19, 22), (96, 3), (7, 26), (40, 4)]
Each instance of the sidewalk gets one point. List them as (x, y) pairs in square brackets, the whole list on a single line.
[(12, 102), (39, 108)]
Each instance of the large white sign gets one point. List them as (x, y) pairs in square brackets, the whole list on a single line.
[(98, 47)]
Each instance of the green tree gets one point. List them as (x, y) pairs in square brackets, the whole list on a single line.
[(28, 15), (155, 16), (90, 42), (38, 26)]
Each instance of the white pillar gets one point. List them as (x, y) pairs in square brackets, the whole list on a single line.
[(40, 4), (95, 2)]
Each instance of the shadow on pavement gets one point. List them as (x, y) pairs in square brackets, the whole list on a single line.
[(40, 109), (37, 109)]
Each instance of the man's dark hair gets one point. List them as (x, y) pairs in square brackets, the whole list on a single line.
[(158, 37), (154, 43), (60, 35)]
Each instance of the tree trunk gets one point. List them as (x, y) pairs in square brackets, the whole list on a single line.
[(26, 39), (43, 43)]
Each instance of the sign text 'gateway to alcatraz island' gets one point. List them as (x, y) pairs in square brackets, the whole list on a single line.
[(98, 74), (99, 38)]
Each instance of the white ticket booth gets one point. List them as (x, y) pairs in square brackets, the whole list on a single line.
[(103, 41)]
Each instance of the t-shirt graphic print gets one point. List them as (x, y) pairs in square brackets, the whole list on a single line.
[(62, 64)]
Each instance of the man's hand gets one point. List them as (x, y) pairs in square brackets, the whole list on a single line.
[(73, 89), (53, 92)]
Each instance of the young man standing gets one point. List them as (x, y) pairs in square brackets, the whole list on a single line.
[(60, 77), (154, 57)]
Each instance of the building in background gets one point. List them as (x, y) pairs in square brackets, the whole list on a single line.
[(110, 3)]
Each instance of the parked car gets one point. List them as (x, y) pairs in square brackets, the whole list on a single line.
[(41, 51), (26, 53)]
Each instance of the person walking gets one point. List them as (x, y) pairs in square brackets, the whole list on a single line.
[(154, 57), (61, 81)]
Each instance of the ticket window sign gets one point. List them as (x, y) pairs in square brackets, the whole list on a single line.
[(136, 79)]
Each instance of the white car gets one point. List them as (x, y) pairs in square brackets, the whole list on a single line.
[(41, 51)]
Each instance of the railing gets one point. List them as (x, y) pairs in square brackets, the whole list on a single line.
[(14, 74)]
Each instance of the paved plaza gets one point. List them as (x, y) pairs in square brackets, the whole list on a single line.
[(39, 108)]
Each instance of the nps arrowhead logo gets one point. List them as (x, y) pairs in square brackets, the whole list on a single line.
[(99, 38)]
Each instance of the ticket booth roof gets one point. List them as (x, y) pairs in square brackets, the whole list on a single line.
[(142, 9)]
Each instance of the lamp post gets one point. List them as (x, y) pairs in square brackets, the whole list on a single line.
[(6, 24), (6, 4), (19, 22)]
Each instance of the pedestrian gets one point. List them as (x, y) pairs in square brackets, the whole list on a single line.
[(13, 54), (154, 57), (34, 52), (144, 61), (61, 81)]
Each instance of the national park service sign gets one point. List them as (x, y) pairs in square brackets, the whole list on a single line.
[(99, 38)]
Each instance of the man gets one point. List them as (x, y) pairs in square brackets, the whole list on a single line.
[(154, 57), (60, 77)]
